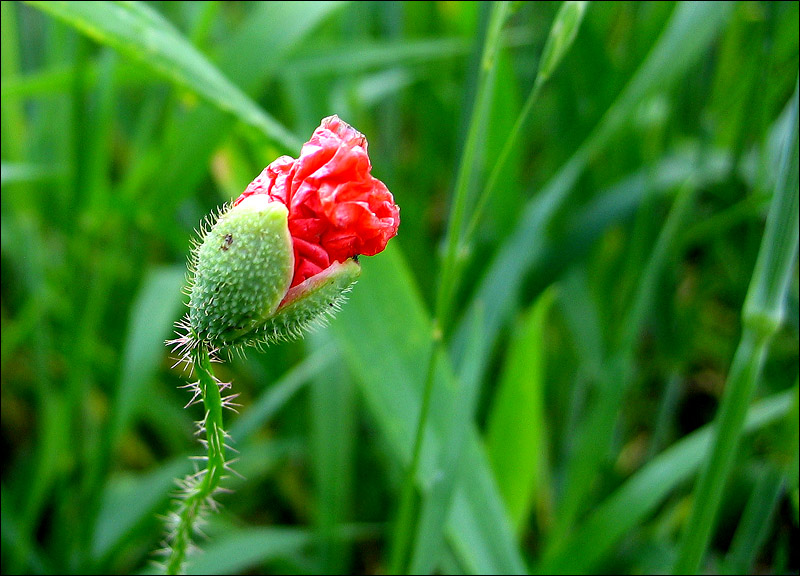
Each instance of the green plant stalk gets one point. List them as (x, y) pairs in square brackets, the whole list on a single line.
[(562, 35), (429, 539), (686, 35), (201, 487), (446, 289), (763, 313), (757, 521), (407, 518), (739, 388)]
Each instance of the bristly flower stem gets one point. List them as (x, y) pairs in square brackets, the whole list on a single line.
[(199, 488)]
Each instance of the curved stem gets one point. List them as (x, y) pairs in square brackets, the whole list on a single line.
[(401, 544), (407, 514), (215, 433), (200, 487), (480, 108)]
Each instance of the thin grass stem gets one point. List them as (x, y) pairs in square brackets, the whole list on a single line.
[(762, 315)]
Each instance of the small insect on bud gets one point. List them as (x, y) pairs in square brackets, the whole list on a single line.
[(281, 258)]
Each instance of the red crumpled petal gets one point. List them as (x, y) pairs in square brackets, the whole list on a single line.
[(337, 209)]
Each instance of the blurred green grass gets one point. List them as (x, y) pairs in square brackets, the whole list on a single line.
[(593, 328)]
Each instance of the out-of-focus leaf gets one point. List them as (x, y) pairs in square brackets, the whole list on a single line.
[(141, 33), (641, 494), (130, 499), (377, 56), (152, 314), (333, 441), (385, 335), (562, 34), (688, 34), (516, 424), (239, 550), (429, 539), (14, 173), (273, 398)]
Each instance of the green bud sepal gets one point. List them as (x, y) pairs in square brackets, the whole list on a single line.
[(240, 274)]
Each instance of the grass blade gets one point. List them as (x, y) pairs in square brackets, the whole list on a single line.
[(429, 539), (272, 399), (763, 313), (756, 522), (333, 442), (515, 431), (144, 35), (273, 28), (562, 34), (383, 332), (362, 58), (642, 493), (688, 34), (12, 124), (448, 281), (151, 318), (593, 438), (241, 549), (130, 500)]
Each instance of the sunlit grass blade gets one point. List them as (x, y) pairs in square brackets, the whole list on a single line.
[(143, 34), (594, 539), (244, 548), (273, 28), (429, 539), (384, 332), (333, 444), (762, 315), (515, 437)]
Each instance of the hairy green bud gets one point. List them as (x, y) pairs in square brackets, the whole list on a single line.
[(241, 272)]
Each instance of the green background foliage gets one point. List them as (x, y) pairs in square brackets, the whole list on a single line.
[(573, 317)]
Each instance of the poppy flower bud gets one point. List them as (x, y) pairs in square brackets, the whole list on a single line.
[(243, 268), (281, 258)]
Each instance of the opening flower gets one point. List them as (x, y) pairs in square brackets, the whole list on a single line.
[(337, 209), (281, 258)]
